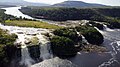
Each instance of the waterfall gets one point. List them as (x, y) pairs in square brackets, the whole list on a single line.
[(45, 49), (24, 35), (106, 28), (102, 32), (83, 38), (26, 59), (25, 56)]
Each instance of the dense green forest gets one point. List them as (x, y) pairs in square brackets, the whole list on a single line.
[(7, 48), (109, 15), (111, 12)]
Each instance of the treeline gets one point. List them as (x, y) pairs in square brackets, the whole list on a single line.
[(63, 14), (111, 12), (109, 15)]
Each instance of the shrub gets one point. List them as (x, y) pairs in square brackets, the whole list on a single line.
[(70, 33), (91, 34), (63, 46)]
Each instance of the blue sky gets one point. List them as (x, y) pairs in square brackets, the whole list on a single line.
[(106, 2)]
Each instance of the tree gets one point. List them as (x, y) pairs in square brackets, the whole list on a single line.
[(63, 46), (91, 34)]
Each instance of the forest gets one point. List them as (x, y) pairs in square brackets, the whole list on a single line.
[(109, 15)]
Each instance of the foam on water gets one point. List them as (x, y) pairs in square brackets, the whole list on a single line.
[(113, 54), (111, 35), (118, 42), (107, 29)]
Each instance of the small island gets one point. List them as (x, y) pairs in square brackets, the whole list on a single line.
[(69, 41)]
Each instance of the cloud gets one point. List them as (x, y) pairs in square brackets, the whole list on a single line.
[(107, 2), (46, 1)]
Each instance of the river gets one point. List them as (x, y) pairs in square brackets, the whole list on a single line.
[(107, 59)]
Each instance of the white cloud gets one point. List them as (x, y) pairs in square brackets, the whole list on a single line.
[(107, 2), (46, 1)]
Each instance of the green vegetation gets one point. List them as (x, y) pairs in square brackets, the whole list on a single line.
[(111, 12), (7, 48), (98, 25), (64, 42), (34, 40), (68, 42), (35, 24), (91, 34), (62, 14), (4, 17), (63, 46), (24, 22), (70, 33), (109, 15)]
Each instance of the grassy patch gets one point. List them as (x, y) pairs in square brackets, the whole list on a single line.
[(35, 24), (35, 40)]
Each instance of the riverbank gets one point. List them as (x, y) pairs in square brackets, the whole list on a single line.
[(35, 24)]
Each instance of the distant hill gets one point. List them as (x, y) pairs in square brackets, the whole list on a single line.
[(20, 3), (77, 4), (4, 6)]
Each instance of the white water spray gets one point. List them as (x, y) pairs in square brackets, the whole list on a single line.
[(25, 56), (113, 59), (109, 34), (24, 34), (106, 28), (44, 48)]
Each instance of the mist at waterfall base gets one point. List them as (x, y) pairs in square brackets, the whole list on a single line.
[(82, 59)]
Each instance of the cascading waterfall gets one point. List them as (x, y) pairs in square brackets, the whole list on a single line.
[(115, 43), (26, 59), (84, 39), (25, 56), (45, 49), (23, 35), (106, 28)]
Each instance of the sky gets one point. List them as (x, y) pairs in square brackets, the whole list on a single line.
[(106, 2)]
